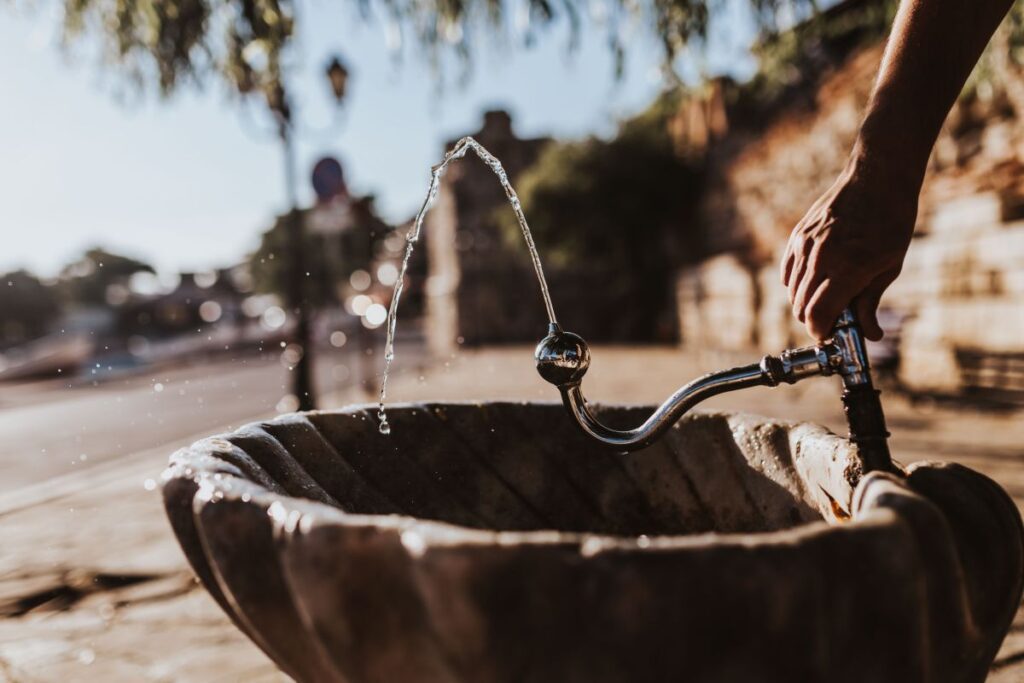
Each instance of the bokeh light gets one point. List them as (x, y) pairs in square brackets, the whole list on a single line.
[(273, 318), (210, 311), (360, 280), (375, 315)]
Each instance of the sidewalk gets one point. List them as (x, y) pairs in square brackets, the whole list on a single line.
[(105, 591), (94, 587)]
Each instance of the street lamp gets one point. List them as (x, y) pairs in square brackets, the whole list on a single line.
[(337, 74), (280, 106)]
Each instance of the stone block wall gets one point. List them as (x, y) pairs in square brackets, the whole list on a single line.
[(957, 308), (718, 304), (963, 284)]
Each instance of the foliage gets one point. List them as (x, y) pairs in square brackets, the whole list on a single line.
[(796, 57), (598, 199), (27, 307), (1001, 67), (619, 207), (329, 259), (87, 281), (168, 43)]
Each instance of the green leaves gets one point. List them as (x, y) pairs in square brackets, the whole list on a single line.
[(170, 43), (167, 44), (27, 307)]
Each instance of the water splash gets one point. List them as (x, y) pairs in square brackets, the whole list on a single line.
[(413, 236)]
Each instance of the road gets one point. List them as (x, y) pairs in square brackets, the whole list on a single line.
[(56, 428)]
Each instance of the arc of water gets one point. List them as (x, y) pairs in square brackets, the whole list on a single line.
[(412, 237)]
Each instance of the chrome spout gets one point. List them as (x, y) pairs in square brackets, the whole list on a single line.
[(563, 359), (668, 413)]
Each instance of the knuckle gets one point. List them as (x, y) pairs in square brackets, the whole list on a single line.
[(820, 311)]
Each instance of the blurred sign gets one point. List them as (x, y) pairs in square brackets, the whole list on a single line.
[(332, 213), (328, 179)]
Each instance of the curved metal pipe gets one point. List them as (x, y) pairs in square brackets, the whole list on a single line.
[(669, 412)]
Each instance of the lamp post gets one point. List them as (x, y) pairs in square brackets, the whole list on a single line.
[(297, 299)]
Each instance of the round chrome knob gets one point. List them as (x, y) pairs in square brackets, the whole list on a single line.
[(562, 357)]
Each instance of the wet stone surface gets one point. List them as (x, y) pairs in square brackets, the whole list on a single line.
[(477, 574)]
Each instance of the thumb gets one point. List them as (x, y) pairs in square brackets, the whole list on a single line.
[(866, 308), (865, 305), (831, 297)]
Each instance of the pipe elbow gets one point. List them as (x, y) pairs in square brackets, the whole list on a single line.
[(668, 413)]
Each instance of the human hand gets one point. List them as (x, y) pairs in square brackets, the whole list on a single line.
[(848, 249)]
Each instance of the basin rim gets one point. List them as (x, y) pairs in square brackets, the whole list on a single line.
[(219, 481)]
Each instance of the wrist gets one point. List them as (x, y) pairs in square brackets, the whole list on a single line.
[(882, 193), (886, 178), (895, 160)]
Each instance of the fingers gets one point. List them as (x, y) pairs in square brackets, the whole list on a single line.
[(836, 293), (866, 308), (787, 266), (789, 258), (812, 278), (825, 305), (845, 252), (866, 304), (801, 260)]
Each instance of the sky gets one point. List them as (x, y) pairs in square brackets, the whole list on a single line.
[(189, 183)]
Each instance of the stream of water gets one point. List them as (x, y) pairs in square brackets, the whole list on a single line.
[(413, 236)]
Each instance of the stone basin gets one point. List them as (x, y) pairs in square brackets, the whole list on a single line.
[(494, 543)]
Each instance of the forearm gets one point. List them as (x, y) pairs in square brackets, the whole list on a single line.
[(933, 46)]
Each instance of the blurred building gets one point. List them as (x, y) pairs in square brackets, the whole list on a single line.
[(475, 284), (198, 300), (954, 317)]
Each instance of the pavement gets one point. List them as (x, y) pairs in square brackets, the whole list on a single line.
[(94, 587)]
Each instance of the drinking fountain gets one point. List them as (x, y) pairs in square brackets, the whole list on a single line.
[(502, 542)]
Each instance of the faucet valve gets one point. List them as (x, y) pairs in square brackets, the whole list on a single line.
[(793, 365)]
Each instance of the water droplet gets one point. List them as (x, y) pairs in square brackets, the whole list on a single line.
[(414, 543), (591, 546)]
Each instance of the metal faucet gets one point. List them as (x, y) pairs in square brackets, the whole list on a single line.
[(563, 359)]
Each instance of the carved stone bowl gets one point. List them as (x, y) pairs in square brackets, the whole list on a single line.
[(492, 542)]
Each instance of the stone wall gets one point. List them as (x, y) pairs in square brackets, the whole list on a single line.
[(962, 283), (718, 305), (955, 314), (761, 180)]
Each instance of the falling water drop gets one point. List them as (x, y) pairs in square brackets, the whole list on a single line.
[(385, 426), (413, 236)]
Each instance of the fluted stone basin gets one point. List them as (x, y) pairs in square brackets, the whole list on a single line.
[(493, 543)]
